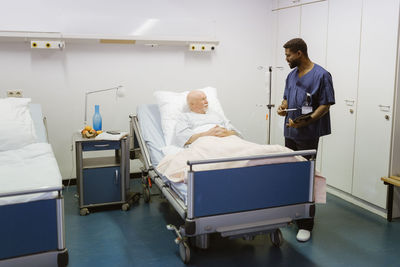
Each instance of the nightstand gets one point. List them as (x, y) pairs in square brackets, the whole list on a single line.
[(102, 171)]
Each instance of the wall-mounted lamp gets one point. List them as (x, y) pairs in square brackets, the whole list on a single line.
[(120, 92)]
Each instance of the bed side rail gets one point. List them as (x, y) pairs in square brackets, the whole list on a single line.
[(310, 152), (135, 132), (32, 191), (250, 188)]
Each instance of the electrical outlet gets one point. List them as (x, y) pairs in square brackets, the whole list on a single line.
[(14, 93), (48, 44), (201, 47), (18, 93)]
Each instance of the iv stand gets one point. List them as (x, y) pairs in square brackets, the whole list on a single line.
[(269, 106)]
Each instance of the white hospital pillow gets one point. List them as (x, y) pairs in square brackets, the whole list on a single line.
[(172, 104), (17, 129)]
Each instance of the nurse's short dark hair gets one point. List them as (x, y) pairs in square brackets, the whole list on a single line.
[(295, 45)]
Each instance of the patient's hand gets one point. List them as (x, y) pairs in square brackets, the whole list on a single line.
[(219, 131)]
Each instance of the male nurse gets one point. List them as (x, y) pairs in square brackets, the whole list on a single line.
[(306, 101)]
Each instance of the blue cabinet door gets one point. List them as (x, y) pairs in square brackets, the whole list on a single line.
[(101, 185)]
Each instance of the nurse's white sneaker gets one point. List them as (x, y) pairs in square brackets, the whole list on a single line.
[(303, 235)]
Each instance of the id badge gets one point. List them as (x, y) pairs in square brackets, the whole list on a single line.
[(306, 109)]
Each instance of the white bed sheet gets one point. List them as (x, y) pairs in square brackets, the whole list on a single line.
[(31, 167)]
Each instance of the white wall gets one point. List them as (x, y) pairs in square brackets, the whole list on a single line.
[(58, 79)]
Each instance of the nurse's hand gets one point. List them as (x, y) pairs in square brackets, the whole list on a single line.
[(281, 109), (299, 124)]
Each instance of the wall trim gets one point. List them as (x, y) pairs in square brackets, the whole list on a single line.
[(357, 201)]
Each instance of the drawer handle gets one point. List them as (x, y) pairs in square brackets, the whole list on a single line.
[(105, 145), (116, 177)]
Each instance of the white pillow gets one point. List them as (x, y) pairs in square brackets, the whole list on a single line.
[(17, 129), (172, 104)]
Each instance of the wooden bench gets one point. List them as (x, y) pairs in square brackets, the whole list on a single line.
[(391, 182)]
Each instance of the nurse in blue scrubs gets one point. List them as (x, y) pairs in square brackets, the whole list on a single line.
[(308, 95)]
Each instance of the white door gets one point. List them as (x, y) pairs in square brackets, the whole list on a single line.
[(310, 23), (313, 30), (288, 28), (342, 63), (378, 54)]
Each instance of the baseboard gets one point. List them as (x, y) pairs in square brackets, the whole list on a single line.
[(357, 201), (72, 181)]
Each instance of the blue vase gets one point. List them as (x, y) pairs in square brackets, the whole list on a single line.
[(97, 121)]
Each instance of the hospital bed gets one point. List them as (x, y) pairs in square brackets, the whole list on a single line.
[(237, 202), (31, 203)]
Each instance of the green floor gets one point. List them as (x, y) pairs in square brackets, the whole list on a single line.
[(344, 235)]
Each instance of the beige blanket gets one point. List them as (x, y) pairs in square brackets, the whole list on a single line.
[(175, 167)]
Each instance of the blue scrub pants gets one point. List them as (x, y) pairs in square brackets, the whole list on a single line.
[(306, 224)]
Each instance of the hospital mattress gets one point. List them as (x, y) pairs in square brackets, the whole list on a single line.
[(28, 168)]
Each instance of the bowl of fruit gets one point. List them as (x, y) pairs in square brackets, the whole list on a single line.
[(89, 132)]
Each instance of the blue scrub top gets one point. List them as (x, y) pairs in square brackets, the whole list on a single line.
[(318, 83)]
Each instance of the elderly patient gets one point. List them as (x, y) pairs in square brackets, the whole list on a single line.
[(200, 121)]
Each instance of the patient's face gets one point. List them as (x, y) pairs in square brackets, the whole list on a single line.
[(198, 102)]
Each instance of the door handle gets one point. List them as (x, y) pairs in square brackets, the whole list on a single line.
[(385, 108), (349, 102)]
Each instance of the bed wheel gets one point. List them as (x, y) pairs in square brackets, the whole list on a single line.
[(84, 211), (184, 251), (146, 194), (276, 238), (125, 206)]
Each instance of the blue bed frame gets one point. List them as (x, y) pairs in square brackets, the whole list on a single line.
[(238, 202), (32, 233)]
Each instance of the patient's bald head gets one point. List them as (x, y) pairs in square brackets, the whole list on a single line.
[(197, 101)]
